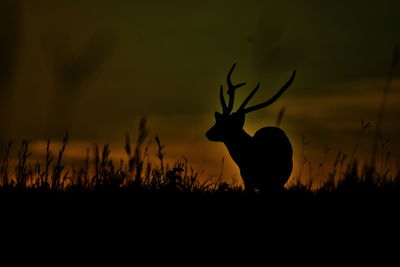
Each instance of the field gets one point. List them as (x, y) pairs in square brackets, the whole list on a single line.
[(137, 174)]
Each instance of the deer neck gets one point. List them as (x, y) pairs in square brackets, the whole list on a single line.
[(237, 144)]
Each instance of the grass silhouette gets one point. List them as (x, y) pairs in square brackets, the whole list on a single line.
[(99, 173)]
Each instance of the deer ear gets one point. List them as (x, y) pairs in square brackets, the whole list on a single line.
[(218, 116)]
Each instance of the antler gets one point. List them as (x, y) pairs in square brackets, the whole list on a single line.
[(232, 89), (231, 92), (243, 108)]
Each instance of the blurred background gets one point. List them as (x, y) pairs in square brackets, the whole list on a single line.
[(95, 67)]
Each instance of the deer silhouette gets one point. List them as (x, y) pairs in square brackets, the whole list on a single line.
[(265, 159)]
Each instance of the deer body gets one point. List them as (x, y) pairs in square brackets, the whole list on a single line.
[(265, 159)]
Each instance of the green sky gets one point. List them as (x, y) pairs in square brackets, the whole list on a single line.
[(97, 66)]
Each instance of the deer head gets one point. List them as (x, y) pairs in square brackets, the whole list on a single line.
[(228, 123)]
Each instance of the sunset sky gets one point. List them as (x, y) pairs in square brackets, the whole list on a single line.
[(97, 66)]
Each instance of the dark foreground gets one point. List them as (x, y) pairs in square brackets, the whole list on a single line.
[(142, 189)]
